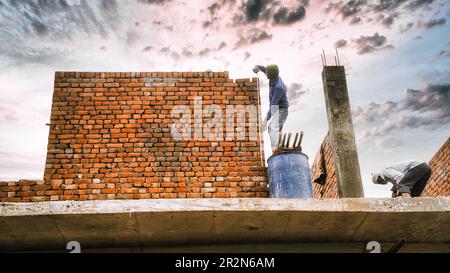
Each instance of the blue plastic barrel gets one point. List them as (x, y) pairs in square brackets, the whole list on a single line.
[(289, 175)]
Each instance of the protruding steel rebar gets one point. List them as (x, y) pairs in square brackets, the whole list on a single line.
[(288, 140), (324, 57), (396, 247), (300, 140), (280, 137), (284, 141), (338, 60), (295, 140)]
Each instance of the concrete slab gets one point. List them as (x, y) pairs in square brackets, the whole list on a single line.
[(186, 222)]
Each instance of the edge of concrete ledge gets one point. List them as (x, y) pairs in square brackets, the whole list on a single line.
[(439, 204)]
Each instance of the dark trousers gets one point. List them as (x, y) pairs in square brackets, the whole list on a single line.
[(415, 180)]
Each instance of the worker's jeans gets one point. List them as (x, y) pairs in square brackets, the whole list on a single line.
[(276, 125), (415, 180)]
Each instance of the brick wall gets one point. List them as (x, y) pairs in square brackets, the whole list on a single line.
[(110, 138), (329, 189), (439, 183)]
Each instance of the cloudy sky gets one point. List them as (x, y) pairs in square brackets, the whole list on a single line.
[(396, 53)]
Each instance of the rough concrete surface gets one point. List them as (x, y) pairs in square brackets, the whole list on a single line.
[(186, 222)]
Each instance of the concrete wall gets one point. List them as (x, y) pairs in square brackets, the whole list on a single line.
[(110, 138), (338, 156), (439, 183), (341, 132)]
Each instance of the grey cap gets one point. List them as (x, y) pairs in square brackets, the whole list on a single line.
[(376, 180)]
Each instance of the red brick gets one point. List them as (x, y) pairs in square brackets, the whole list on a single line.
[(113, 140)]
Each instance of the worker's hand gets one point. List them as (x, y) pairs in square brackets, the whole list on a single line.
[(394, 192), (256, 69)]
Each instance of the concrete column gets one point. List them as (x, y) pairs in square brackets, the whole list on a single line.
[(348, 175)]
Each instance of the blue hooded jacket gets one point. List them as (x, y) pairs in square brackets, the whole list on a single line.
[(277, 93)]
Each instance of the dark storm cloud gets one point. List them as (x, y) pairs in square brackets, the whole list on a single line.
[(284, 16), (219, 4), (351, 7), (402, 123), (374, 111), (204, 52), (259, 35), (206, 24), (387, 11), (24, 22), (340, 43), (388, 21), (432, 23), (406, 28), (355, 20), (207, 51), (166, 51), (416, 4), (427, 108), (247, 55), (295, 92), (187, 53), (154, 2), (370, 44), (252, 36), (388, 5), (349, 10), (214, 8), (148, 48), (222, 45), (443, 54), (254, 11), (434, 99)]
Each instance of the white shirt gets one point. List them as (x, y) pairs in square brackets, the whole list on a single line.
[(395, 173)]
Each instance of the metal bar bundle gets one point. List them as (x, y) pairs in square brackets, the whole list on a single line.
[(284, 142)]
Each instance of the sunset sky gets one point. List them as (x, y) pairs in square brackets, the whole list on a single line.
[(396, 54)]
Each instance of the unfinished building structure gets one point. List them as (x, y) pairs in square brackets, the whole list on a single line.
[(116, 179)]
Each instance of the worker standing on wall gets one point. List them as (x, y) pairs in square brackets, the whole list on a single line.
[(408, 179), (278, 110)]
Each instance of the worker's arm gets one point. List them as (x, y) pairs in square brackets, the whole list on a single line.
[(275, 101), (392, 175), (262, 69), (259, 68)]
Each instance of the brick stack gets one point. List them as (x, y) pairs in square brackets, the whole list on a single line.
[(439, 183), (25, 191), (330, 188), (110, 138)]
